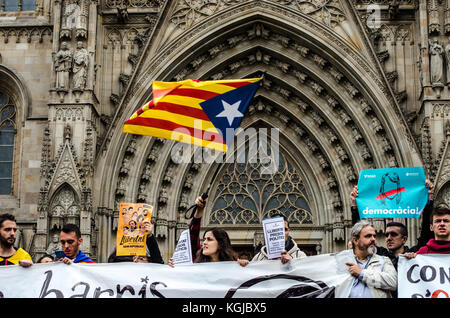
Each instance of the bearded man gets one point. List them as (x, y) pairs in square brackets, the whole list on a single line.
[(375, 276), (8, 254)]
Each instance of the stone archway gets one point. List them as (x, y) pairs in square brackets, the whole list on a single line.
[(328, 102)]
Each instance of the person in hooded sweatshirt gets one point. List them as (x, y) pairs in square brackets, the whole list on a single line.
[(440, 225), (291, 250)]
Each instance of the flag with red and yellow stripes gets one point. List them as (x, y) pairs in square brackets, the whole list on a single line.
[(201, 113)]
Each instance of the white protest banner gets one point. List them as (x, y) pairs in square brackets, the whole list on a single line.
[(183, 251), (315, 276), (274, 236), (425, 276)]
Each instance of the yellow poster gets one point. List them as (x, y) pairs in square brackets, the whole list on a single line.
[(131, 233)]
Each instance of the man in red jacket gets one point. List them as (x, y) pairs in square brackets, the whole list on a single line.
[(440, 225)]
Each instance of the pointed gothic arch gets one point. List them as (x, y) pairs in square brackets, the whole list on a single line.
[(14, 109), (328, 101), (65, 207)]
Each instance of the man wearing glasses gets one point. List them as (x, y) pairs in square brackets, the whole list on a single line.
[(396, 233)]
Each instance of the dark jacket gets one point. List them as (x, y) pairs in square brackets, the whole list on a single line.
[(153, 253)]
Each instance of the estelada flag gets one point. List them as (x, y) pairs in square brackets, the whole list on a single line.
[(201, 113)]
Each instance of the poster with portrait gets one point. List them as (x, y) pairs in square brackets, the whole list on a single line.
[(131, 235)]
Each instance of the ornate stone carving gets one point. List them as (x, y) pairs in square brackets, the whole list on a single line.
[(125, 168), (121, 187), (65, 172), (433, 14), (235, 200), (331, 181), (134, 4), (383, 56), (184, 204), (163, 196), (29, 34), (188, 13), (80, 67), (122, 13), (436, 64), (65, 208), (63, 66), (338, 227), (53, 245)]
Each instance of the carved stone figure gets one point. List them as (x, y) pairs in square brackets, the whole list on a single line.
[(63, 65), (72, 15), (19, 239), (80, 65), (54, 245), (436, 63), (447, 56)]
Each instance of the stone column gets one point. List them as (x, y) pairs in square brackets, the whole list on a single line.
[(56, 30), (447, 17), (92, 35), (424, 55)]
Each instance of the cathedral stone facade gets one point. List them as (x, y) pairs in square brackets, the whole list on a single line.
[(348, 85)]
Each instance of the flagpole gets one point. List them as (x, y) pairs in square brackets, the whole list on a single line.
[(204, 195)]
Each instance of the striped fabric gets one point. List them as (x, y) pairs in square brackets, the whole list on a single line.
[(194, 112)]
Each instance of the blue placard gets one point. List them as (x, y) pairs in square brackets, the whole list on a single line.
[(392, 193)]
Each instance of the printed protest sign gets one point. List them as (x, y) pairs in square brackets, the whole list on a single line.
[(392, 193), (274, 236), (131, 235), (183, 251), (425, 276)]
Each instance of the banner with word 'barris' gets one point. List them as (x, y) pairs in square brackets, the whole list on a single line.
[(312, 277)]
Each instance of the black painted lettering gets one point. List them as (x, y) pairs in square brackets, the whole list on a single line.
[(120, 292), (409, 274), (45, 292), (423, 273), (97, 292), (86, 290), (444, 275), (154, 291)]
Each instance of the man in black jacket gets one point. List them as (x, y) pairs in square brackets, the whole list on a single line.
[(396, 233)]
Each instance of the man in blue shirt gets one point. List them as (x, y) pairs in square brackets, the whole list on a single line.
[(70, 238)]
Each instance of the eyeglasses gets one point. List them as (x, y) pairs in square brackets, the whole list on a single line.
[(393, 234), (286, 229)]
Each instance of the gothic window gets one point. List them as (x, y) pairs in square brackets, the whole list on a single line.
[(18, 5), (7, 132), (244, 195), (65, 207)]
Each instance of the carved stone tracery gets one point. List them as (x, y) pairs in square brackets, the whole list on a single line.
[(188, 13), (245, 196)]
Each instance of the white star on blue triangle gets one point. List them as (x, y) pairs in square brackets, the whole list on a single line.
[(230, 111), (226, 110)]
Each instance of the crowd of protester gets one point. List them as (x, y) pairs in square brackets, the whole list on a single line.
[(373, 267)]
